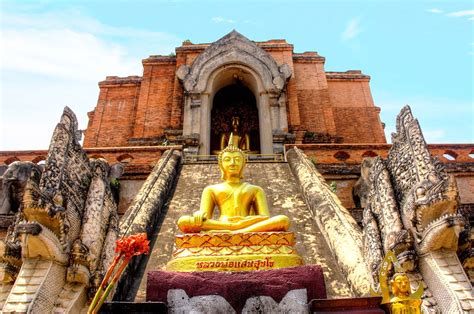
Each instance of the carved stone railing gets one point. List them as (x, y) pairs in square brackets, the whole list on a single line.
[(204, 159), (354, 153), (338, 227), (138, 160), (146, 210)]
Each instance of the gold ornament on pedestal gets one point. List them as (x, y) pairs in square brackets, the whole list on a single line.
[(402, 300)]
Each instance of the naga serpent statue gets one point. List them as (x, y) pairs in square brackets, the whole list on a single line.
[(63, 240), (411, 208)]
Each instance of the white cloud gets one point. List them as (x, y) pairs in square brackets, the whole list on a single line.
[(352, 30), (69, 45), (52, 60), (64, 53), (461, 13), (220, 19), (434, 136), (435, 10), (441, 120)]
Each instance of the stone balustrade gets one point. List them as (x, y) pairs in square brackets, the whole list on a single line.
[(138, 160), (354, 153)]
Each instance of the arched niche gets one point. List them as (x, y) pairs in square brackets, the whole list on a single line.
[(234, 100), (230, 58)]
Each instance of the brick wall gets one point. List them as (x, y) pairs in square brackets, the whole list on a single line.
[(111, 122), (335, 103), (355, 115), (156, 97), (315, 109)]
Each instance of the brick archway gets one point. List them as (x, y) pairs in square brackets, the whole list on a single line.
[(230, 57)]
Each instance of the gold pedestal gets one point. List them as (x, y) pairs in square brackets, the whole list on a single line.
[(234, 252)]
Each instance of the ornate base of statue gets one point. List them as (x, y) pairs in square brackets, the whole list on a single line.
[(234, 252), (285, 290)]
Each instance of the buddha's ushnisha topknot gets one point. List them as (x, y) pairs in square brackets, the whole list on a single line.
[(230, 148)]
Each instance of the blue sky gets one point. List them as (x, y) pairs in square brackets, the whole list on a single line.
[(53, 53)]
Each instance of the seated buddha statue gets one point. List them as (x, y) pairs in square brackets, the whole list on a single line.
[(242, 206), (239, 140)]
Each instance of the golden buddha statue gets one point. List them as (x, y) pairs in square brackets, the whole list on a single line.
[(239, 140), (244, 237), (402, 300), (242, 206)]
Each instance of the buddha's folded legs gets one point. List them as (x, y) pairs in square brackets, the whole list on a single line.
[(276, 223), (251, 224)]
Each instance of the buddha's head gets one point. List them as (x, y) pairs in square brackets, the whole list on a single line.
[(401, 285), (231, 162), (235, 123)]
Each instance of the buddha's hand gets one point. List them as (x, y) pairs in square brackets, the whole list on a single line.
[(199, 217), (235, 218)]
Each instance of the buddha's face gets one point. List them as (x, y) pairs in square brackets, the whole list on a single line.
[(235, 123), (403, 284), (232, 163)]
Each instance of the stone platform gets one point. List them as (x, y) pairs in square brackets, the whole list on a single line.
[(234, 252), (287, 289)]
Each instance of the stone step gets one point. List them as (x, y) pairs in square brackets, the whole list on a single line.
[(284, 198)]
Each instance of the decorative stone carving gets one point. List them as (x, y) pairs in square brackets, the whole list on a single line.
[(411, 208), (361, 188), (212, 70), (230, 49), (13, 184), (67, 226), (428, 197), (339, 228), (146, 209), (382, 207)]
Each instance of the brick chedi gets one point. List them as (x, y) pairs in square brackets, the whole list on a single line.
[(178, 96)]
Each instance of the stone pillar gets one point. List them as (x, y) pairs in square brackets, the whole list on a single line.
[(205, 125), (265, 125)]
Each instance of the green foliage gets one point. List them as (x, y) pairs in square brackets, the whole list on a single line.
[(333, 186), (115, 184), (308, 134), (172, 54)]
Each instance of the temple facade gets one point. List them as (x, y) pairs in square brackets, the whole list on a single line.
[(279, 95), (149, 153)]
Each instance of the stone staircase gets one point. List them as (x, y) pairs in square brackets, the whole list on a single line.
[(283, 198), (72, 295), (34, 279)]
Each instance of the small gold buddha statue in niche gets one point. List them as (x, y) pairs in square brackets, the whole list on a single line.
[(239, 140), (242, 206), (403, 302)]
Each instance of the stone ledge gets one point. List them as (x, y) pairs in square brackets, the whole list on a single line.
[(308, 57), (133, 307), (347, 305), (237, 287), (114, 81), (347, 75), (159, 60)]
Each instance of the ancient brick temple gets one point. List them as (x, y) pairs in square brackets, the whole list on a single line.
[(141, 167), (280, 96)]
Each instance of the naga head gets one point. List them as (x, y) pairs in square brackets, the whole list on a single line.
[(430, 211), (427, 195)]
